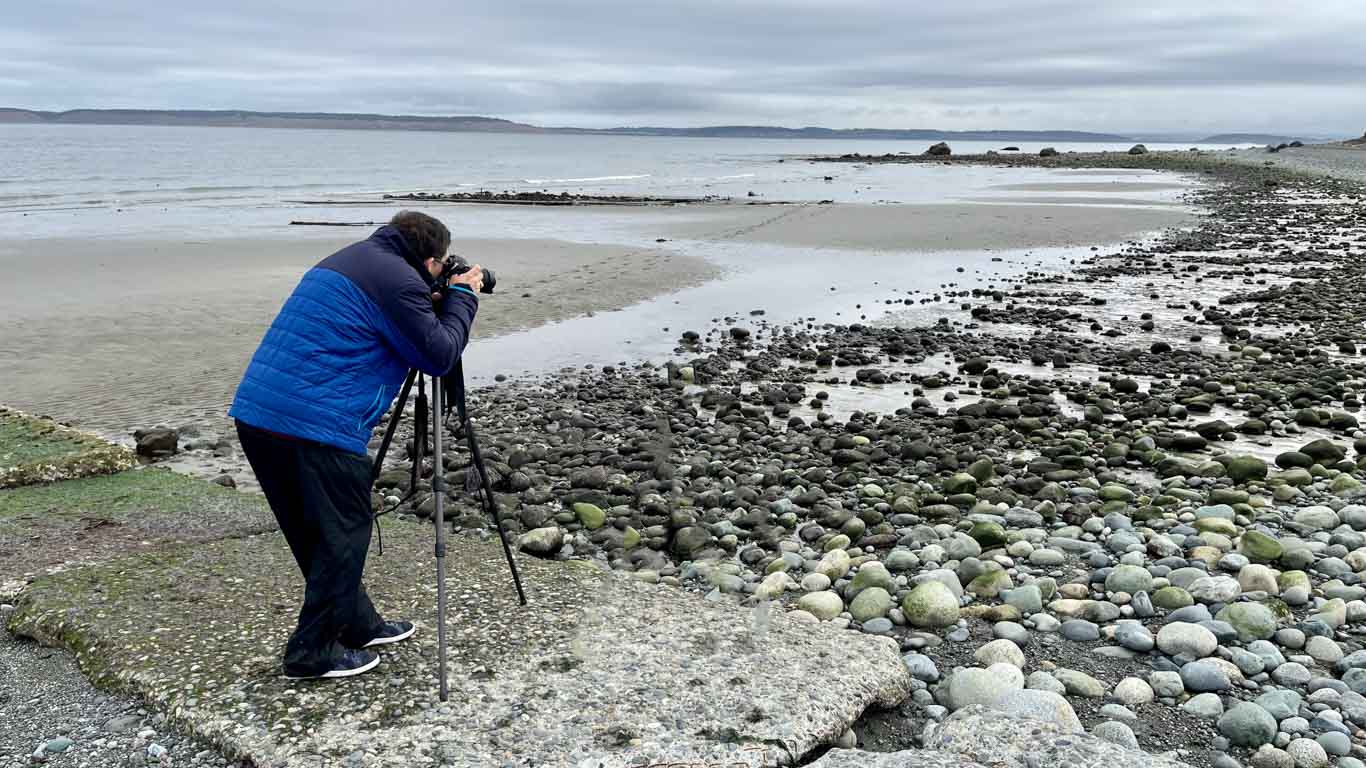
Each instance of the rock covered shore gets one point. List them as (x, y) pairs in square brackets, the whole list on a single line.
[(1121, 498)]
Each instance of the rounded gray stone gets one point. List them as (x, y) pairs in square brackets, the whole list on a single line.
[(1307, 753), (1116, 733), (1183, 639), (1036, 704), (983, 686), (1204, 676), (1247, 725)]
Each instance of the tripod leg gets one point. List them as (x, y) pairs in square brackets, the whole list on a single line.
[(393, 426), (439, 489), (486, 488), (388, 440)]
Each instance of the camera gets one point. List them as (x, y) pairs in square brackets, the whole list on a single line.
[(456, 265)]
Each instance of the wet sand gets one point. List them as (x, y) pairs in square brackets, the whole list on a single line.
[(117, 334), (945, 227)]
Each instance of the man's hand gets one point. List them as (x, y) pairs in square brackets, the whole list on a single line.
[(473, 279)]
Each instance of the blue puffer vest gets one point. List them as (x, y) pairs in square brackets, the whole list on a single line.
[(336, 355)]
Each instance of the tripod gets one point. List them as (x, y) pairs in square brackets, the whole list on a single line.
[(441, 402)]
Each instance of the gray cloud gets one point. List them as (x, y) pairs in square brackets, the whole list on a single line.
[(1161, 65)]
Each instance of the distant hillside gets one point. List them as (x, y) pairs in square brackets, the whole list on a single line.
[(1252, 138), (917, 134), (250, 119), (246, 119)]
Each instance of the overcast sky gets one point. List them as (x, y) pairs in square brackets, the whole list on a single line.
[(1104, 65)]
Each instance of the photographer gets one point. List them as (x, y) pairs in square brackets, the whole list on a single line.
[(325, 372)]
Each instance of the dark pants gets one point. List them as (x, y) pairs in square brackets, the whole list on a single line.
[(321, 498)]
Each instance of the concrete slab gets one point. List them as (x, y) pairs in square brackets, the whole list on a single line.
[(55, 526), (598, 670)]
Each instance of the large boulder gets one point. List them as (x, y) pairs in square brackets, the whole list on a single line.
[(939, 150)]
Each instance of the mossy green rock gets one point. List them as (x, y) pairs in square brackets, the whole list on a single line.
[(1295, 478), (1171, 598), (630, 538), (1216, 525), (1230, 496), (871, 603), (590, 515), (982, 470), (960, 483), (1242, 469), (1129, 578), (873, 574), (1112, 492), (990, 584), (839, 541), (1252, 621), (823, 605), (988, 534), (1344, 483), (1259, 547), (930, 605), (1289, 579)]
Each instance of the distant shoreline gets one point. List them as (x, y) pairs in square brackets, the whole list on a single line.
[(480, 124)]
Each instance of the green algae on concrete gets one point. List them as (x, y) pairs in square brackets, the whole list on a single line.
[(597, 666), (34, 450), (95, 519)]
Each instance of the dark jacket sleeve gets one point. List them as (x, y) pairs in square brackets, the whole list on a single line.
[(428, 339)]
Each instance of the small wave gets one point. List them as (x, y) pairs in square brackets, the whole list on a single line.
[(586, 179), (29, 196)]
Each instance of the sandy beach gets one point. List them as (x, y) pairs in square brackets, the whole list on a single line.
[(128, 333), (132, 332)]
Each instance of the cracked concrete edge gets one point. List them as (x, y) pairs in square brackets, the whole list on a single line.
[(883, 681), (1012, 741), (907, 758)]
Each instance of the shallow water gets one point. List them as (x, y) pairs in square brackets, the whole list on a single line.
[(72, 180)]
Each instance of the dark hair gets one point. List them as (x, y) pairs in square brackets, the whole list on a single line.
[(426, 237)]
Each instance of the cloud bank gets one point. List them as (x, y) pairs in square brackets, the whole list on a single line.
[(1159, 66)]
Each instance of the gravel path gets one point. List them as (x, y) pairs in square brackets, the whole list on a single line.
[(50, 714), (1323, 160)]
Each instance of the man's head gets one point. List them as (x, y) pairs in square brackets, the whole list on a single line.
[(427, 239)]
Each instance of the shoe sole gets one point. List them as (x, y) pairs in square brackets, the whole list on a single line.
[(394, 639), (336, 673)]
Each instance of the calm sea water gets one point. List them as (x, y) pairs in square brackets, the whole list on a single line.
[(145, 180)]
